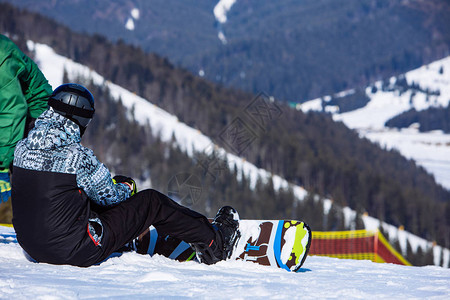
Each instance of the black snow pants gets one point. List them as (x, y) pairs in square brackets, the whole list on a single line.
[(127, 220)]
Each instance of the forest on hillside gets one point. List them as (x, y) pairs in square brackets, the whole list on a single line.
[(434, 118), (294, 50), (307, 149)]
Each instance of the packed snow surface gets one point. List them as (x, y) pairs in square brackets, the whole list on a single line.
[(138, 276)]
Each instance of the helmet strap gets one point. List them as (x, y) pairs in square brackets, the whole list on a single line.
[(71, 110)]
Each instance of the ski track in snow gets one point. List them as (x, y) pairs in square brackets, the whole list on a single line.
[(144, 277)]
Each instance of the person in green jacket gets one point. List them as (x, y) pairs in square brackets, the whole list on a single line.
[(24, 92)]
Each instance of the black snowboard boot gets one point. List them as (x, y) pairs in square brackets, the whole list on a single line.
[(226, 224)]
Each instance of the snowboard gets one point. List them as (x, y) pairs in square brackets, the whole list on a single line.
[(279, 243)]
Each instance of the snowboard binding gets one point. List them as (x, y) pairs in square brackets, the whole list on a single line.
[(226, 225)]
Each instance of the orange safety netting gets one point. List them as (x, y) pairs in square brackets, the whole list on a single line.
[(355, 244)]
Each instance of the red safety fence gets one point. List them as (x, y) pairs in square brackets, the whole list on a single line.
[(355, 244)]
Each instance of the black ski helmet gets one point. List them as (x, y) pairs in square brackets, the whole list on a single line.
[(74, 102)]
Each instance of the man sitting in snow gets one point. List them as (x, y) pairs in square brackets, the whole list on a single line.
[(68, 210)]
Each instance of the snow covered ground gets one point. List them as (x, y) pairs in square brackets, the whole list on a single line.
[(430, 150), (143, 277)]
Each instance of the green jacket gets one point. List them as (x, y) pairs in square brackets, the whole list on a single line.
[(23, 93)]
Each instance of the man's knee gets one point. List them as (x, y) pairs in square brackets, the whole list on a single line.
[(152, 197)]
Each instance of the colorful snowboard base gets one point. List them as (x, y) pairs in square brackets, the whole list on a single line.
[(281, 243)]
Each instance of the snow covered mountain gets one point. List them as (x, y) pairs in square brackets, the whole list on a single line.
[(430, 150), (138, 276), (191, 140)]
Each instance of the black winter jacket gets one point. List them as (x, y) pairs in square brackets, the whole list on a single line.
[(54, 181)]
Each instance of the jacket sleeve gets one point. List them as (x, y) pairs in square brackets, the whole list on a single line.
[(95, 179), (35, 87), (23, 93)]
